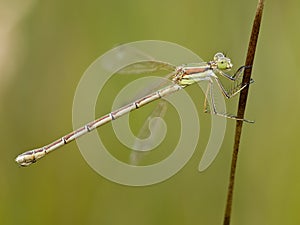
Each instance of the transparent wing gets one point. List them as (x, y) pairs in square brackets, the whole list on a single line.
[(151, 132), (146, 66), (152, 126), (125, 55), (214, 99), (150, 135)]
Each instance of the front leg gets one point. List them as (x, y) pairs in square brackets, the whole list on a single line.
[(236, 75), (232, 91)]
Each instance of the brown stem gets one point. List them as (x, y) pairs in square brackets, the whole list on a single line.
[(241, 107)]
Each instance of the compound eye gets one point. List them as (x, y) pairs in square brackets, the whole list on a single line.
[(218, 56)]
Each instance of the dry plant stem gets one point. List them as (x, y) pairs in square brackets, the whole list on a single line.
[(242, 106)]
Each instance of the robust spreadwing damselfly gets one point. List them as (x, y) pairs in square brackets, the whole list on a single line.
[(181, 77)]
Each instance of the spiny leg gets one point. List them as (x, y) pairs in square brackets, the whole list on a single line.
[(232, 91), (205, 106), (237, 85), (213, 105)]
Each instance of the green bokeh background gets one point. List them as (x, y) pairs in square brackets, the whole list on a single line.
[(47, 45)]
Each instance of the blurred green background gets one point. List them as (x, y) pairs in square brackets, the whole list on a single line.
[(47, 45)]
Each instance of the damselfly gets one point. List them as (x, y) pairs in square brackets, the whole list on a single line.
[(181, 77)]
